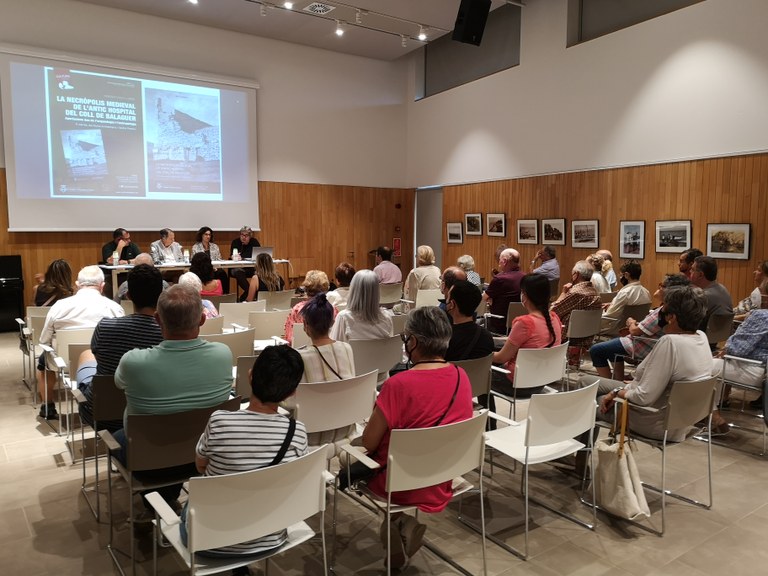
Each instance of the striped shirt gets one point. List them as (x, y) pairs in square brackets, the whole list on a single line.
[(113, 337), (242, 441)]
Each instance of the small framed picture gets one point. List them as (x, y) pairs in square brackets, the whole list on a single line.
[(673, 235), (496, 224), (584, 233), (473, 224), (553, 231), (455, 236), (728, 241), (632, 239), (527, 231)]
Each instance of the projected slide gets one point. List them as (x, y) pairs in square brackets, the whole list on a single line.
[(113, 136)]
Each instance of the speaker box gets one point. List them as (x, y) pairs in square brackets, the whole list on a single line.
[(470, 21)]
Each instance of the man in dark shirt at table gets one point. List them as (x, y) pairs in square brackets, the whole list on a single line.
[(244, 244), (121, 243)]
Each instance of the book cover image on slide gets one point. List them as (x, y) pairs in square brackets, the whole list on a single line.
[(183, 133)]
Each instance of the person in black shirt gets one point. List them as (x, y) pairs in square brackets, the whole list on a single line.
[(469, 340), (244, 244), (121, 243)]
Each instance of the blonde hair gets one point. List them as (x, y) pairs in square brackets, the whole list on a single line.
[(315, 281), (425, 256)]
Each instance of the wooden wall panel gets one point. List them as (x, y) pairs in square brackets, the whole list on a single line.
[(732, 189), (314, 226)]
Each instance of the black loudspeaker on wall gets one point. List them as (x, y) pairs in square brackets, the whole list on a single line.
[(470, 21)]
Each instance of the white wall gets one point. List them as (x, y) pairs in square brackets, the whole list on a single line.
[(323, 117), (693, 83)]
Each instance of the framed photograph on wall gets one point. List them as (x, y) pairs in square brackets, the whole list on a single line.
[(728, 241), (473, 224), (673, 235), (454, 232), (527, 231), (632, 239), (553, 231), (496, 224), (584, 233)]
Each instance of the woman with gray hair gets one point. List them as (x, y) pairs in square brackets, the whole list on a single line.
[(431, 393), (363, 319), (681, 354), (467, 263), (192, 280)]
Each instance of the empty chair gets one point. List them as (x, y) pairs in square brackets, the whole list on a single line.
[(479, 372), (428, 297), (237, 313), (390, 294), (268, 324), (584, 324), (277, 300), (381, 354), (213, 325), (240, 343), (218, 300)]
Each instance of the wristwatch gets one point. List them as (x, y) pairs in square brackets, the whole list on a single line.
[(615, 391)]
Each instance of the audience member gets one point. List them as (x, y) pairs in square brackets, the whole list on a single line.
[(703, 274), (166, 249), (363, 319), (386, 271), (431, 393), (122, 290), (496, 255), (121, 243), (254, 438), (113, 337), (54, 285), (598, 280), (753, 301), (682, 353), (467, 263), (190, 279), (503, 289), (469, 340), (549, 265), (202, 266), (204, 243), (636, 343), (608, 271), (447, 279), (242, 248), (426, 276), (685, 262), (82, 310), (343, 274), (264, 278), (633, 293), (315, 282), (578, 294)]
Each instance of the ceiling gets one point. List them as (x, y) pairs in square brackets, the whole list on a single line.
[(383, 23)]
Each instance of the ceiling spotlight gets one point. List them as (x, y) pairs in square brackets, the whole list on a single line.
[(422, 33), (339, 28), (288, 5), (263, 9), (358, 17), (403, 40), (192, 1)]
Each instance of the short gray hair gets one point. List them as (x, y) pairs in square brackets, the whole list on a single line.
[(431, 328), (688, 304), (466, 262), (363, 299), (180, 309), (584, 269), (143, 258), (192, 280), (90, 276)]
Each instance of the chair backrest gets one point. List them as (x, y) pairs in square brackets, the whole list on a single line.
[(379, 354), (277, 300), (636, 311), (554, 288), (607, 297), (221, 299), (335, 404), (558, 417), (429, 297), (234, 508), (237, 313), (422, 457), (242, 382), (584, 323), (482, 308), (107, 400), (71, 336), (514, 310), (300, 338), (37, 311), (157, 441), (689, 402), (128, 307), (398, 323), (540, 366), (719, 328), (36, 323), (269, 323), (389, 294), (213, 325), (239, 343), (479, 372)]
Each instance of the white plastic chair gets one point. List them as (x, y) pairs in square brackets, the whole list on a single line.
[(236, 315), (583, 324), (127, 306), (268, 324), (422, 457), (242, 382), (479, 372), (234, 508), (429, 297), (398, 323), (379, 354), (731, 363), (240, 343), (719, 328), (212, 326), (300, 338), (549, 432), (277, 300), (535, 367), (390, 294)]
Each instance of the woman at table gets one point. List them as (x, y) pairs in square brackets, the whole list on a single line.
[(204, 243), (201, 265), (54, 285), (265, 277)]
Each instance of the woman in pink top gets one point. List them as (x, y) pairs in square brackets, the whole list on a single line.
[(433, 392), (202, 266), (540, 328)]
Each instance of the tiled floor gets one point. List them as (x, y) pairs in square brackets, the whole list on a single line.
[(47, 529)]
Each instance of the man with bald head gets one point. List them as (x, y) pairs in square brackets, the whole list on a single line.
[(503, 289), (448, 278), (143, 258)]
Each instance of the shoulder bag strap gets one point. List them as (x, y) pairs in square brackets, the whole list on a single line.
[(455, 390), (326, 363), (287, 442)]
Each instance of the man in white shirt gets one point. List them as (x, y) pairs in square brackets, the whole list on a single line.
[(633, 293), (386, 271), (83, 310)]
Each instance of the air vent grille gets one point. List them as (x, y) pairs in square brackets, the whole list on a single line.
[(319, 8)]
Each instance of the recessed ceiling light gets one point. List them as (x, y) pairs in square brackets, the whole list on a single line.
[(192, 1), (288, 5), (339, 29), (422, 34)]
